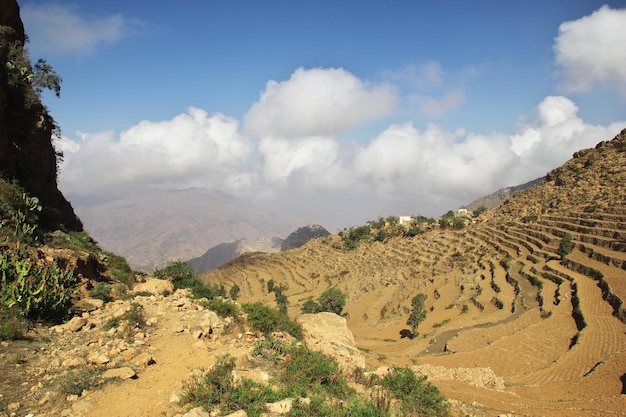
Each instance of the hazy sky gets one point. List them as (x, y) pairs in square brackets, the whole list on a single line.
[(361, 108)]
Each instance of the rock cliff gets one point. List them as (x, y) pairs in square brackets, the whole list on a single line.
[(26, 150)]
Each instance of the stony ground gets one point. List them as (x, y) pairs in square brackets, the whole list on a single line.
[(137, 371)]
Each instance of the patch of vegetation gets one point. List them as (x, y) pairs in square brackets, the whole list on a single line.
[(306, 371), (266, 320), (302, 373), (566, 246), (536, 282), (182, 275), (118, 267), (418, 396), (221, 307), (331, 300), (234, 291), (418, 313), (215, 389), (506, 262), (531, 218), (480, 210), (130, 320), (74, 382), (101, 291), (12, 325), (79, 241), (353, 236), (30, 283)]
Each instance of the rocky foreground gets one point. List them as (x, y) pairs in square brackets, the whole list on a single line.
[(130, 358)]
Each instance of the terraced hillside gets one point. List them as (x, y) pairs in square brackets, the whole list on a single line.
[(515, 323)]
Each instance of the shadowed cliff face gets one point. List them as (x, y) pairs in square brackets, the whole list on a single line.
[(26, 150)]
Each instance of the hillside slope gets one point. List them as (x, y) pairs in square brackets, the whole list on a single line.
[(510, 325)]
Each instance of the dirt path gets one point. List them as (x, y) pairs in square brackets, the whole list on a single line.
[(176, 355)]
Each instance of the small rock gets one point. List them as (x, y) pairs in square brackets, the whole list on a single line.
[(75, 324), (144, 359), (129, 354), (71, 398), (13, 407), (240, 413), (174, 398), (97, 359), (74, 362), (196, 412), (383, 371), (280, 407), (45, 398), (122, 373)]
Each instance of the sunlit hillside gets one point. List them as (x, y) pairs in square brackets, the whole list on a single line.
[(525, 308)]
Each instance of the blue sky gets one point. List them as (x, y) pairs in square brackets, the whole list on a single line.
[(372, 107)]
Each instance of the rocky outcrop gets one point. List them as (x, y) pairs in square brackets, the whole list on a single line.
[(302, 236), (26, 150), (328, 333)]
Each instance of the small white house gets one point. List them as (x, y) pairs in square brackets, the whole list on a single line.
[(402, 220), (462, 213)]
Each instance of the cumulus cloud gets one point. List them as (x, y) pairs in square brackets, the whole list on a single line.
[(400, 169), (434, 167), (590, 51), (309, 164), (191, 150), (57, 28), (317, 102)]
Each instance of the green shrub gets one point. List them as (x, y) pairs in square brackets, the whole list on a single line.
[(38, 289), (182, 275), (531, 218), (79, 241), (266, 320), (222, 308), (101, 291), (12, 326), (309, 371), (310, 307), (215, 390), (261, 317), (332, 300), (234, 292), (419, 397), (77, 381), (119, 268), (566, 246)]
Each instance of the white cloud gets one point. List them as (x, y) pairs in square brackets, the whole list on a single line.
[(591, 52), (435, 167), (55, 28), (317, 102), (304, 165), (402, 169), (190, 150)]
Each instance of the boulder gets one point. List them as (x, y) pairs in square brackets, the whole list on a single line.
[(328, 333), (122, 373), (154, 286)]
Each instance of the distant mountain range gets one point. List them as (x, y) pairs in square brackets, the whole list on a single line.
[(150, 229), (224, 252)]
